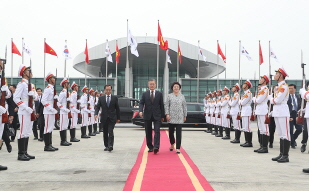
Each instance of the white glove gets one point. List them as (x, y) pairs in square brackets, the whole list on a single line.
[(88, 110), (92, 110), (54, 111), (78, 101), (56, 96), (69, 99), (67, 110), (253, 99), (4, 88), (270, 97), (270, 114), (302, 91), (31, 93), (2, 109), (76, 110), (89, 101), (29, 109)]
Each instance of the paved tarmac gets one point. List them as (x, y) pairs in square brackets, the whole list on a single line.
[(85, 166)]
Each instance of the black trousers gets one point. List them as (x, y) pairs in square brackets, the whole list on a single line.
[(299, 129), (41, 125), (171, 130), (15, 126), (305, 132), (108, 132), (35, 128), (148, 131), (272, 129)]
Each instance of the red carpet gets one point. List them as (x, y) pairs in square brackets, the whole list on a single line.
[(165, 171)]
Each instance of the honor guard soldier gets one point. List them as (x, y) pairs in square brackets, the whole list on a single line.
[(212, 113), (84, 111), (260, 111), (217, 114), (234, 112), (224, 112), (246, 112), (49, 111), (3, 110), (21, 97), (74, 112), (207, 103), (91, 108), (281, 114), (64, 111)]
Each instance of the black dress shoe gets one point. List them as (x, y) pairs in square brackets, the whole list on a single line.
[(235, 141), (40, 139), (276, 158), (247, 145), (3, 167), (9, 148), (150, 150), (306, 170), (303, 148), (283, 159), (155, 150), (106, 149), (49, 148), (35, 138), (110, 149), (64, 143), (271, 145), (293, 147), (29, 156), (74, 140)]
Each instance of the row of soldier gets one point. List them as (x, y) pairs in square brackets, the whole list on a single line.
[(220, 107), (71, 107)]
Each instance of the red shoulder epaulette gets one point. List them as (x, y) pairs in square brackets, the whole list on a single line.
[(48, 87)]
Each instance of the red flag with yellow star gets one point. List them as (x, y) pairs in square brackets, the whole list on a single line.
[(49, 50), (163, 44), (117, 54)]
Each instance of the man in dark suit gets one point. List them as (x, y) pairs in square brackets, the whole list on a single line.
[(294, 103), (152, 103), (39, 113), (12, 108), (110, 115)]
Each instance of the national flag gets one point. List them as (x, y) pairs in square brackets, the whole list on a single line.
[(15, 49), (221, 54), (246, 53), (260, 54), (179, 55), (108, 53), (163, 44), (132, 42), (117, 54), (168, 58), (26, 49), (66, 52), (273, 55), (49, 50), (200, 52), (87, 54)]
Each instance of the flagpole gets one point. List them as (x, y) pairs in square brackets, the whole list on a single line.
[(127, 75), (269, 65), (225, 58), (158, 62), (198, 74), (65, 62), (239, 64), (217, 66), (259, 60), (11, 62), (86, 68), (106, 66), (116, 84), (22, 52), (44, 61), (178, 62)]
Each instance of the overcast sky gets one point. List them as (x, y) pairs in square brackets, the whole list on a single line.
[(283, 22)]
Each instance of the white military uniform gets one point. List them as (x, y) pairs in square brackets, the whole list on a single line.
[(74, 110), (4, 109), (49, 111), (246, 110), (212, 110), (62, 105), (24, 115), (217, 111), (91, 108), (305, 95), (207, 109), (234, 103), (96, 102), (281, 112), (224, 111), (84, 110), (262, 109)]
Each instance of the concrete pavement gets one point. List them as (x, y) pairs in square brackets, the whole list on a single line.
[(85, 166)]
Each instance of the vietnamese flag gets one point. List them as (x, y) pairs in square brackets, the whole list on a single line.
[(49, 50), (260, 54), (179, 55), (86, 53), (221, 53), (117, 54), (163, 44), (15, 49)]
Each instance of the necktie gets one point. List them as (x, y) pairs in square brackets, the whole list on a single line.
[(151, 97), (294, 103), (107, 102)]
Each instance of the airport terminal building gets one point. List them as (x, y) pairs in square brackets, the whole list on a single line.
[(132, 76)]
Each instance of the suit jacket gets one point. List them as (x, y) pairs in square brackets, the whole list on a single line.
[(112, 112), (11, 106), (289, 102), (155, 108)]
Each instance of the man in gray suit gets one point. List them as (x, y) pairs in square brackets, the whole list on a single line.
[(110, 115), (152, 103)]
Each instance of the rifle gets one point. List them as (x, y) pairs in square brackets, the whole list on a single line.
[(267, 118), (240, 107), (300, 116), (5, 117), (88, 105), (252, 118), (68, 105), (30, 99), (228, 113), (78, 104), (55, 103), (219, 115)]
